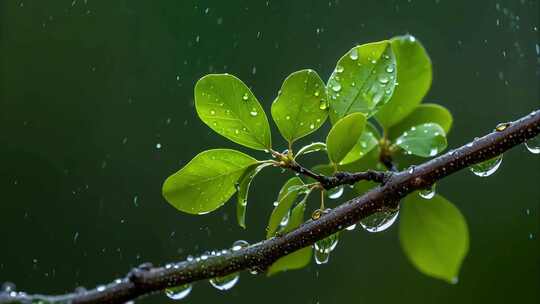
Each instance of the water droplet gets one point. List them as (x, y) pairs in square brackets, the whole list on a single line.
[(502, 126), (287, 117), (323, 105), (379, 221), (240, 244), (411, 169), (351, 227), (285, 219), (533, 145), (179, 292), (354, 54), (487, 167), (245, 97), (236, 131), (7, 287), (383, 79), (101, 288), (336, 87), (312, 126), (390, 68), (339, 69), (324, 247), (225, 283), (316, 94), (433, 151), (428, 193), (253, 112), (212, 112), (158, 146), (335, 193)]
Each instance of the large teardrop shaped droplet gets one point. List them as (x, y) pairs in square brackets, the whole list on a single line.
[(487, 167), (335, 193), (225, 283), (179, 292), (380, 221), (533, 145), (428, 193), (324, 247)]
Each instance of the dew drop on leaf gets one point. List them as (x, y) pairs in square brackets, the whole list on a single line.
[(245, 97), (487, 167), (179, 292), (354, 54), (336, 87), (253, 112), (379, 221), (226, 282)]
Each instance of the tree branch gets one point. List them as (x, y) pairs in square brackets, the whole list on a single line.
[(146, 280)]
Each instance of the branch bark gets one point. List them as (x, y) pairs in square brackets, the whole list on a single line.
[(146, 280)]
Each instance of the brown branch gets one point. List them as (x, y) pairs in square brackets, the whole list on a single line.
[(146, 280)]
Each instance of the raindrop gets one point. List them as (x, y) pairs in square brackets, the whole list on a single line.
[(312, 126), (225, 283), (240, 244), (245, 97), (351, 227), (253, 112), (336, 87), (324, 247), (285, 219), (411, 169), (335, 193), (354, 54), (212, 112), (428, 193), (100, 288), (379, 221), (487, 167), (316, 94), (158, 146), (179, 292), (533, 145), (323, 105), (390, 68), (502, 126), (383, 80), (339, 69), (287, 117)]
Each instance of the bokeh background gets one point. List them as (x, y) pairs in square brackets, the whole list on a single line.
[(96, 110)]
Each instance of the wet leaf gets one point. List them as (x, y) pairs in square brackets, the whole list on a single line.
[(363, 80), (301, 106), (425, 140), (286, 198), (243, 189), (228, 106), (344, 135), (367, 141), (207, 181), (434, 236), (413, 76), (313, 147), (424, 113)]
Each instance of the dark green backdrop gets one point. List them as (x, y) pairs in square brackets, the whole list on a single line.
[(89, 88)]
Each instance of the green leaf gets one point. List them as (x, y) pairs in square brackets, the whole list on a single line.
[(367, 141), (207, 181), (286, 198), (434, 236), (313, 147), (301, 106), (299, 258), (424, 140), (424, 113), (243, 189), (363, 80), (228, 106), (414, 77), (344, 135)]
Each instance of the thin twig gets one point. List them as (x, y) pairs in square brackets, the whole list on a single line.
[(144, 281)]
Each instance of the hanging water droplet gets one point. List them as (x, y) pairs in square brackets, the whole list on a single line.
[(324, 247), (379, 221), (179, 292), (354, 54), (411, 169), (240, 244), (428, 193), (533, 145), (253, 112), (335, 193), (225, 283), (351, 227), (336, 87), (245, 97), (487, 167)]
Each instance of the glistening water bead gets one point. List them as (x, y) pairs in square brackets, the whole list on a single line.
[(336, 192), (487, 167), (379, 221), (324, 247), (225, 283), (428, 193), (533, 145), (179, 292)]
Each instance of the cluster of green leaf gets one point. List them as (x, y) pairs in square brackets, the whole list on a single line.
[(373, 99)]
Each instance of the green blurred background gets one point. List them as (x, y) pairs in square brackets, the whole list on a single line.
[(96, 110)]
